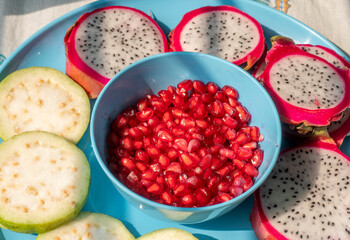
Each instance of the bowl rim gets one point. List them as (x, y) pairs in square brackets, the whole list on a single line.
[(157, 205)]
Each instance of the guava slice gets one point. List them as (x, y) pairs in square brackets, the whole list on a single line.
[(44, 182), (168, 234), (43, 99), (89, 226)]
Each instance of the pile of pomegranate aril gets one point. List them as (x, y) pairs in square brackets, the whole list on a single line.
[(190, 146)]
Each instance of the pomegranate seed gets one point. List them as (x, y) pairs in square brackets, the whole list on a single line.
[(148, 174), (213, 181), (126, 142), (165, 95), (133, 178), (227, 153), (206, 161), (229, 110), (175, 167), (194, 130), (238, 181), (202, 124), (153, 121), (218, 139), (167, 198), (172, 90), (194, 102), (198, 136), (187, 122), (224, 186), (202, 196), (154, 188), (238, 163), (230, 91), (199, 86), (181, 189), (120, 122), (230, 134), (144, 115), (220, 96), (185, 85), (236, 191), (165, 135), (206, 98), (155, 167), (250, 170), (141, 166), (251, 145), (233, 102), (210, 131), (217, 109), (229, 121), (171, 179), (243, 114), (178, 100), (248, 184), (141, 156), (152, 151), (172, 154), (203, 151), (257, 157), (255, 134), (187, 161), (223, 171), (137, 144), (146, 183), (244, 153), (135, 132), (128, 163), (242, 138), (188, 200), (159, 127), (129, 112), (193, 145), (194, 182), (167, 116), (158, 105), (181, 144), (212, 88), (216, 163), (224, 197), (142, 104), (164, 161)]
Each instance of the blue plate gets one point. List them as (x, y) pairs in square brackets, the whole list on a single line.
[(46, 48)]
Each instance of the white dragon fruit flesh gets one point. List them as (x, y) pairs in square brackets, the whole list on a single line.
[(222, 31), (106, 40), (306, 196)]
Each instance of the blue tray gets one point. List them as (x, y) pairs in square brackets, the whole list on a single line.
[(46, 48)]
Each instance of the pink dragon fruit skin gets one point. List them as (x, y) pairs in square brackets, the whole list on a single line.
[(193, 33), (299, 103), (338, 130), (294, 202), (115, 37)]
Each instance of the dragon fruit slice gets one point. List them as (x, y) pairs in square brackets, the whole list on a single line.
[(338, 130), (306, 196), (323, 52), (305, 88), (223, 31), (104, 41)]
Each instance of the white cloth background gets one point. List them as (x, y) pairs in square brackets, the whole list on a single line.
[(19, 19)]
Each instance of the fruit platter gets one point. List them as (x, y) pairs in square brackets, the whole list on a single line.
[(194, 146)]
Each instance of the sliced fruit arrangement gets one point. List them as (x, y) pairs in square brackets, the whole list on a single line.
[(306, 196), (306, 89), (191, 146), (222, 31), (106, 40), (168, 234), (44, 182), (88, 225), (45, 99)]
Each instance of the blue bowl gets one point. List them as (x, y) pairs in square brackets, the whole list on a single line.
[(157, 72)]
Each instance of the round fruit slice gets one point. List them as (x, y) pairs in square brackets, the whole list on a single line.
[(306, 196), (87, 226), (44, 182), (168, 234), (43, 99)]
